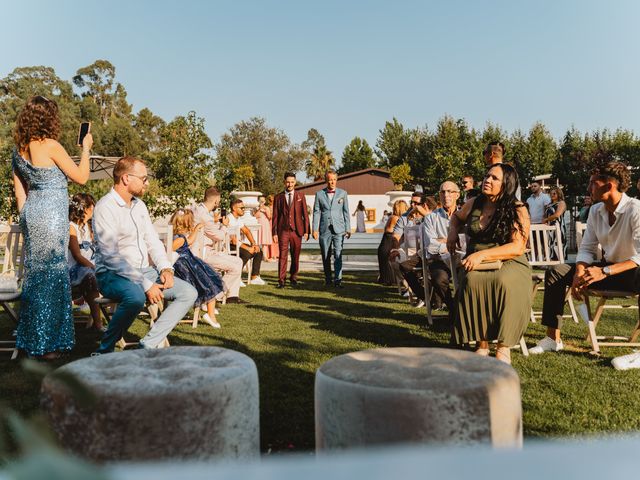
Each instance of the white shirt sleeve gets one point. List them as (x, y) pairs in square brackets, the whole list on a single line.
[(105, 236)]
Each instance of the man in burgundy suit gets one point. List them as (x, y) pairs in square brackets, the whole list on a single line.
[(290, 222)]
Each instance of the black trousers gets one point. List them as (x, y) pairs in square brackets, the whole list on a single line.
[(559, 277), (245, 255), (440, 276)]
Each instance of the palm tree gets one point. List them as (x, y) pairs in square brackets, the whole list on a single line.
[(320, 160)]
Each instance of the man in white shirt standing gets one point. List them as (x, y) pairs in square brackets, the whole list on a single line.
[(125, 239), (537, 202), (614, 223), (215, 228)]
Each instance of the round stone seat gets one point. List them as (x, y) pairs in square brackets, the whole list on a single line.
[(416, 395), (186, 403)]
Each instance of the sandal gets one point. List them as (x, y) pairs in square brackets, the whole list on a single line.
[(504, 355)]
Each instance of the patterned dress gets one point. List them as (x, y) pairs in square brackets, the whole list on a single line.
[(194, 271), (46, 322)]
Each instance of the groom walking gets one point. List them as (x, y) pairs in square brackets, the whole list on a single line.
[(290, 222), (331, 224)]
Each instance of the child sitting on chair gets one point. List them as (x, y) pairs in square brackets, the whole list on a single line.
[(82, 271), (192, 269)]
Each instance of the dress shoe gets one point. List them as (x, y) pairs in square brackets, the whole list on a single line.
[(280, 285), (294, 283), (338, 285), (236, 300)]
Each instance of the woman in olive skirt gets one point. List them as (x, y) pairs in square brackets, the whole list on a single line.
[(493, 304)]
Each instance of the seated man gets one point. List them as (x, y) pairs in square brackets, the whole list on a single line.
[(614, 223), (421, 206), (436, 226), (248, 249), (125, 239), (215, 229)]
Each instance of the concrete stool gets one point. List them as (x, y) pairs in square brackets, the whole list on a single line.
[(409, 395), (192, 403)]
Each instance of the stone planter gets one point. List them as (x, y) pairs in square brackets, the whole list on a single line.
[(178, 403), (250, 200), (435, 396), (398, 195)]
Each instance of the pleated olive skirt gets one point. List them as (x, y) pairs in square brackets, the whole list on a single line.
[(493, 305)]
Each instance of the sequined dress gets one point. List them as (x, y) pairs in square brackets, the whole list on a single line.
[(45, 321)]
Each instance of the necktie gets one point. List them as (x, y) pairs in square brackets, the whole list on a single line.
[(289, 198)]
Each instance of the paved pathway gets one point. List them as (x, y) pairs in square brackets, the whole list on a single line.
[(313, 263)]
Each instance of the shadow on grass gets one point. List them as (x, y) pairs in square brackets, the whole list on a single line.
[(286, 390)]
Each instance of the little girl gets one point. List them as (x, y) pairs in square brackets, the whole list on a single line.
[(192, 269), (81, 268)]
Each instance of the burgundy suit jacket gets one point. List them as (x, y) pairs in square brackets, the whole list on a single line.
[(297, 216)]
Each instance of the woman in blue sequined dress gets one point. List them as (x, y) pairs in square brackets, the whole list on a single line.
[(40, 170)]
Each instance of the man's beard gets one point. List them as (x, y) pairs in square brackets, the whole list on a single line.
[(138, 193)]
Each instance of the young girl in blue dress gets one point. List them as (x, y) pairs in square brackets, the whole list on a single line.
[(192, 269)]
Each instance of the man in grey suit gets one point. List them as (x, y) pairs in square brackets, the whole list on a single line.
[(331, 223)]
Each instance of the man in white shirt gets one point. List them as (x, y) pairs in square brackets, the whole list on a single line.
[(248, 249), (537, 202), (125, 239), (215, 228), (614, 223)]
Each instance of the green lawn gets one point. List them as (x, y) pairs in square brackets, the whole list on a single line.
[(289, 333)]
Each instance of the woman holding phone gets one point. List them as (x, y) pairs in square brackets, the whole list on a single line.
[(41, 167)]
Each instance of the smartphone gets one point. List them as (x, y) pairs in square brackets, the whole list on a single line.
[(223, 213), (85, 127)]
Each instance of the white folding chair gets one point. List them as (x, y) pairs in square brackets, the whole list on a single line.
[(12, 264), (603, 296), (539, 253)]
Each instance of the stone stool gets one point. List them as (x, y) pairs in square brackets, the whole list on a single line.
[(186, 403), (423, 395)]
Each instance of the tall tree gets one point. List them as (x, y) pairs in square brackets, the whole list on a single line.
[(320, 158), (394, 145), (358, 155), (182, 167), (97, 81), (268, 151)]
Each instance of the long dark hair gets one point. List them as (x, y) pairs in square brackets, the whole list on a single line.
[(505, 221)]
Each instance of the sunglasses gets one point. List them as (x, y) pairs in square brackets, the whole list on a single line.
[(144, 178)]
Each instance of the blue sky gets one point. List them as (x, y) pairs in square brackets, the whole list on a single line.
[(346, 67)]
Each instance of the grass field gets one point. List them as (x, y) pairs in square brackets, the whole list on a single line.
[(290, 333)]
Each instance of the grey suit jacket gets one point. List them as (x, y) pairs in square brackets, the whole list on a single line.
[(331, 212)]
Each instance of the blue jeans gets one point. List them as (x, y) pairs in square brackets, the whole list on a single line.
[(329, 242), (131, 299)]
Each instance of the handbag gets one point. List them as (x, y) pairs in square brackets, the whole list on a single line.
[(488, 266), (8, 283)]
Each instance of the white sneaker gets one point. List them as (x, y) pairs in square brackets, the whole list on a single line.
[(242, 284), (258, 281), (546, 345), (203, 307), (420, 304), (213, 323), (626, 362)]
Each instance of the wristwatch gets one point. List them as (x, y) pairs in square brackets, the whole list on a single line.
[(166, 270), (606, 270)]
